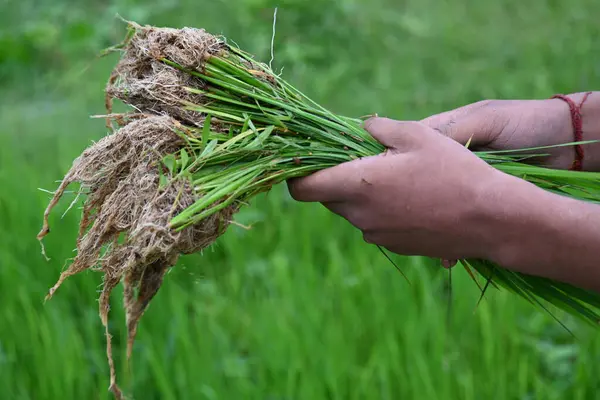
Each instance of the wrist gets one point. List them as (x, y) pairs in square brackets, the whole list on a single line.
[(517, 223), (536, 232), (588, 104), (590, 118)]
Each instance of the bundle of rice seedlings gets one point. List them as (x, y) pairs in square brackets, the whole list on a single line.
[(210, 128)]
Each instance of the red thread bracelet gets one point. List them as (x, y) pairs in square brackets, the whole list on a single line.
[(577, 127)]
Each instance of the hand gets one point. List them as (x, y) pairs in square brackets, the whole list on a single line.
[(512, 125), (426, 195), (518, 124)]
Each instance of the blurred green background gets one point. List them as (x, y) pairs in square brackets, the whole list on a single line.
[(298, 307)]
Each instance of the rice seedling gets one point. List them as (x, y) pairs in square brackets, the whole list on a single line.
[(210, 128)]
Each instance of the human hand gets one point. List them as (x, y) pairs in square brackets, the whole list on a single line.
[(426, 195), (512, 125), (519, 124)]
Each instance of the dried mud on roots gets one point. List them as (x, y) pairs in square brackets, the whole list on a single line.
[(124, 230), (145, 82)]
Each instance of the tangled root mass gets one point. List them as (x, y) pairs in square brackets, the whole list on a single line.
[(143, 81), (124, 230)]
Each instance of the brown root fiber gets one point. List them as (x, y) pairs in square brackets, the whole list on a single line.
[(143, 81), (124, 231)]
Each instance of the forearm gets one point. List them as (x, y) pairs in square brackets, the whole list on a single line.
[(539, 233)]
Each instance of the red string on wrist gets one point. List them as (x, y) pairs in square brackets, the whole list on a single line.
[(577, 127)]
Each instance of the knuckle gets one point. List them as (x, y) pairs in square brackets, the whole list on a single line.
[(484, 103), (448, 128)]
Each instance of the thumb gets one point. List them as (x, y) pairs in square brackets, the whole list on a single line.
[(401, 135)]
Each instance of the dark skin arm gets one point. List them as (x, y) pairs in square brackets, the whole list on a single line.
[(517, 124), (428, 195)]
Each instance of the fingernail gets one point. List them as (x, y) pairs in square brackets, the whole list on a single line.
[(369, 121)]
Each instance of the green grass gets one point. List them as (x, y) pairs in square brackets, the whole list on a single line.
[(298, 307)]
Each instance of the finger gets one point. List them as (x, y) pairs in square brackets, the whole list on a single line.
[(458, 113), (336, 207), (351, 211), (330, 185), (401, 135), (469, 124)]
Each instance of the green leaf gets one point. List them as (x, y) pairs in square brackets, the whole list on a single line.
[(169, 161), (208, 149), (251, 125), (206, 130), (184, 159), (162, 181), (263, 136), (246, 121)]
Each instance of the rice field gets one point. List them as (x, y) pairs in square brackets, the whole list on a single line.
[(297, 307)]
